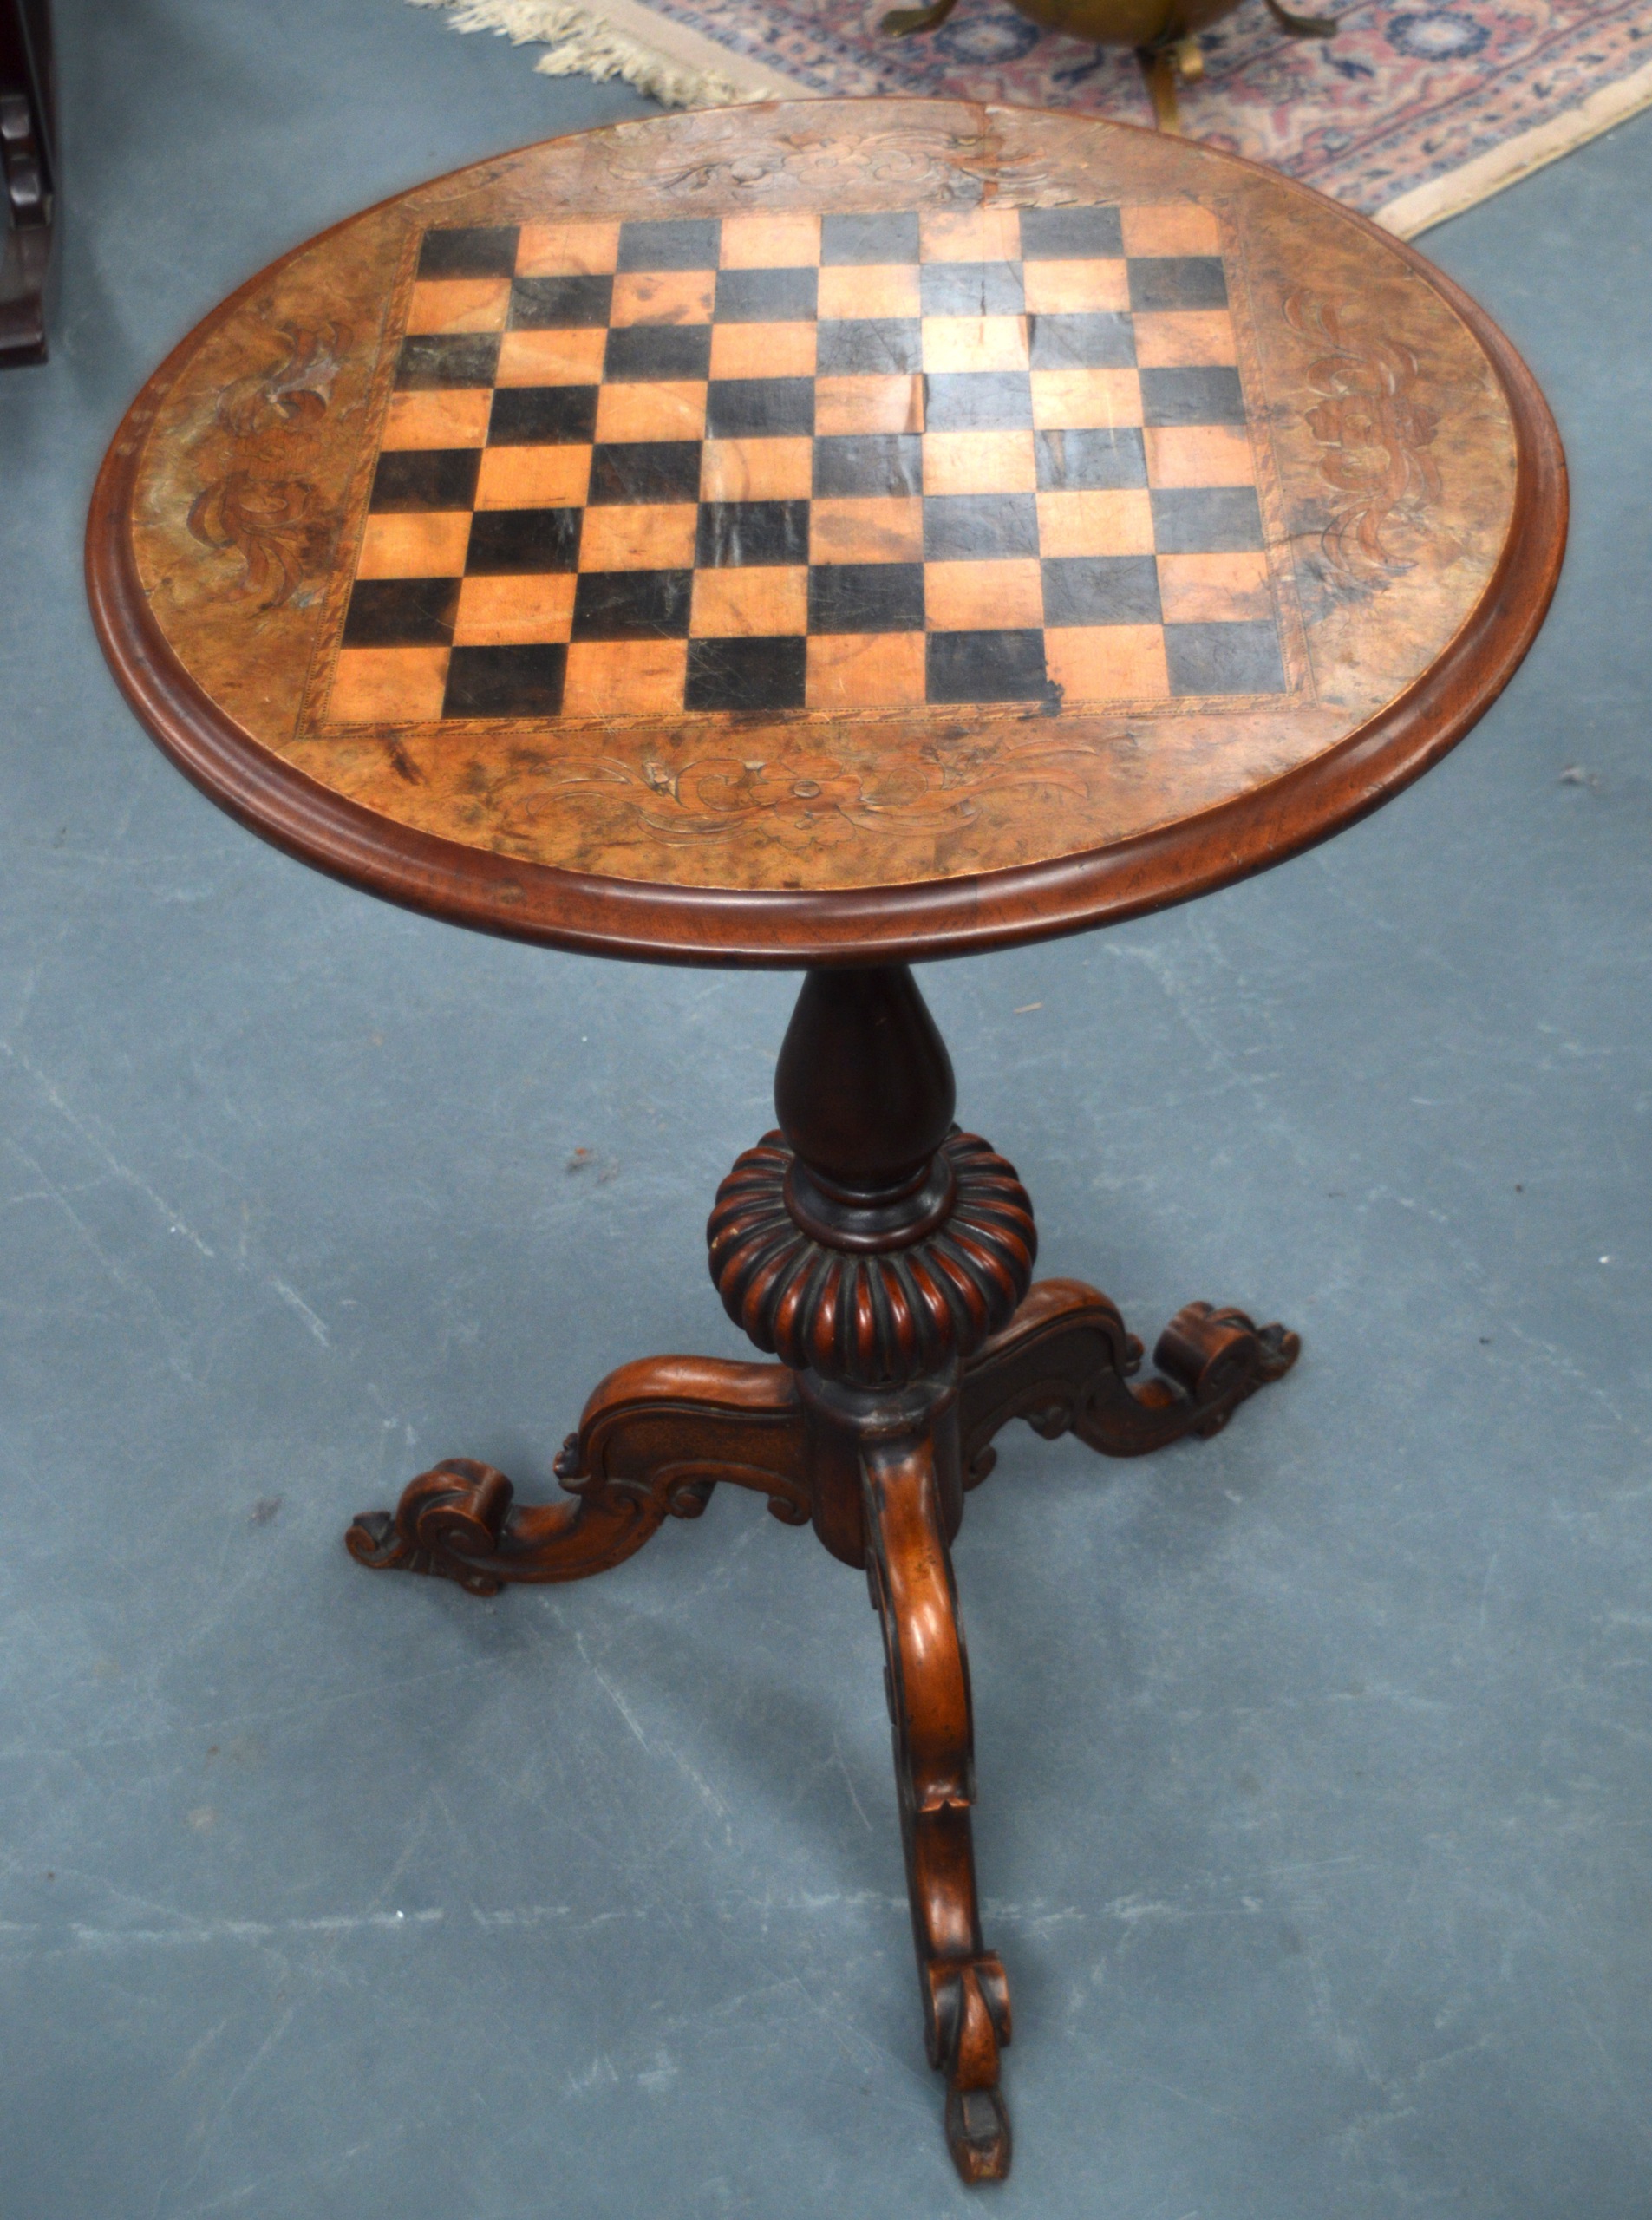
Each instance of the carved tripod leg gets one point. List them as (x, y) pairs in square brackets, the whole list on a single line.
[(966, 1997), (1064, 1364), (655, 1438)]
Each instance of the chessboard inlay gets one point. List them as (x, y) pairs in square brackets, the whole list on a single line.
[(788, 462)]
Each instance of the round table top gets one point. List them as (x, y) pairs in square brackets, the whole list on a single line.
[(825, 532)]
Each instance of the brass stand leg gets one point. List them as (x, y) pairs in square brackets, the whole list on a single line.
[(1158, 68), (885, 1258)]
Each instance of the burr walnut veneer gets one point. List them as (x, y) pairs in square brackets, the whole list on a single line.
[(825, 536)]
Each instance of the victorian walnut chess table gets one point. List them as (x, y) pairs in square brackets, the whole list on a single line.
[(826, 536)]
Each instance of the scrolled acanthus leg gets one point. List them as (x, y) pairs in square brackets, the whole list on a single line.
[(1066, 1364), (965, 1994), (656, 1438)]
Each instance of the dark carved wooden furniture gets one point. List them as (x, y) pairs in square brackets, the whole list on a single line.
[(28, 153), (826, 535)]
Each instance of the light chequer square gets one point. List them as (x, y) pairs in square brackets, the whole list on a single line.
[(975, 343), (508, 612), (790, 240), (453, 419), (987, 234), (1176, 339), (550, 357), (1107, 663), (662, 411), (388, 686), (1170, 228), (761, 602), (623, 677), (1076, 288), (1216, 588), (568, 249), (459, 305), (991, 596), (1199, 454), (638, 536), (876, 670), (1076, 400), (1109, 523), (756, 470), (533, 478), (845, 406), (871, 289), (428, 544), (980, 462)]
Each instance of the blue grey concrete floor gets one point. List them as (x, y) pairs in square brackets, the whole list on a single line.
[(1314, 1760)]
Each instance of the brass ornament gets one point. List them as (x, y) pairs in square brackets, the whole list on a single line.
[(1165, 33)]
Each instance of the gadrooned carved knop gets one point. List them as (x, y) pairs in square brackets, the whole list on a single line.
[(873, 1320)]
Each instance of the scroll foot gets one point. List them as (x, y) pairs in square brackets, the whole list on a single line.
[(966, 1996), (655, 1439), (1065, 1363), (977, 2134)]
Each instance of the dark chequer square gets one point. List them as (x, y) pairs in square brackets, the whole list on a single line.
[(739, 533), (676, 243), (1070, 234), (979, 527), (542, 416), (971, 288), (977, 401), (1082, 343), (870, 462), (426, 478), (766, 296), (656, 351), (523, 681), (1102, 590), (759, 408), (560, 303), (632, 604), (450, 359), (869, 346), (869, 238), (1082, 462), (645, 470), (866, 598), (1205, 396), (512, 541), (762, 674), (1206, 520), (986, 667), (1178, 281), (1224, 659), (401, 613), (469, 250)]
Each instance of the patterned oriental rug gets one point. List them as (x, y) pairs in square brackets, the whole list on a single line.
[(1412, 113)]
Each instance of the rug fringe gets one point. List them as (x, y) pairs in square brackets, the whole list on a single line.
[(1458, 190), (584, 43)]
